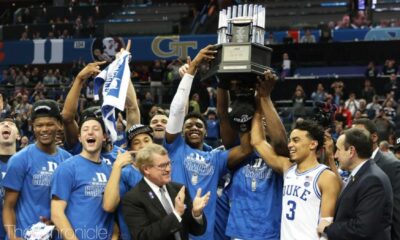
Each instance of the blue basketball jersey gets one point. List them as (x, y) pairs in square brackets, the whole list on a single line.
[(256, 201), (81, 182), (29, 172), (198, 169)]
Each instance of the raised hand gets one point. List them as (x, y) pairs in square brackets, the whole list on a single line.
[(180, 201), (90, 70), (265, 86), (185, 67), (199, 203), (128, 48), (123, 159), (205, 54)]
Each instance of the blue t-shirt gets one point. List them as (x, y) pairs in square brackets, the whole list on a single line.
[(81, 182), (108, 157), (3, 168), (130, 176), (256, 201), (29, 172), (198, 169), (221, 214)]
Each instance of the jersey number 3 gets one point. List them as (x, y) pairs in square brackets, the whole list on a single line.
[(292, 208)]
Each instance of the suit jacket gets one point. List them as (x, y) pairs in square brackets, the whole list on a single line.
[(391, 166), (364, 208), (146, 218)]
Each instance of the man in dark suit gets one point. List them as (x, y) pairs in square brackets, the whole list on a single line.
[(158, 208), (364, 208), (390, 166)]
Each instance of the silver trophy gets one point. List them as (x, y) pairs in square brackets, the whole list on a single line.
[(241, 57), (241, 50)]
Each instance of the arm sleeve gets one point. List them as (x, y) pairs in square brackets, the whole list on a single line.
[(177, 108), (16, 172), (62, 182)]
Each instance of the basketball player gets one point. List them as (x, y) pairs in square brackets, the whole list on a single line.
[(310, 189)]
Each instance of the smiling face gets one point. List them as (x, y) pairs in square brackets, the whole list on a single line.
[(159, 172), (194, 132), (45, 130), (92, 136), (300, 145), (8, 133), (140, 141), (343, 155), (158, 123)]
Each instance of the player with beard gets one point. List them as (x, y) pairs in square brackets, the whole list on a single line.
[(29, 172), (158, 123), (8, 147), (78, 185), (192, 165)]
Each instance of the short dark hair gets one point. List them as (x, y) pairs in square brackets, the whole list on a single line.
[(314, 131), (360, 139), (367, 123), (100, 120), (196, 115)]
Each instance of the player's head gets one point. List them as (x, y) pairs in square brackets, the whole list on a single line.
[(46, 120), (9, 133), (92, 134), (139, 136), (194, 129), (158, 123), (306, 138)]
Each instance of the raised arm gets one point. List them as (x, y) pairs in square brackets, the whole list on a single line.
[(71, 102), (112, 196), (266, 151), (239, 153), (228, 134), (274, 126), (177, 108), (131, 105)]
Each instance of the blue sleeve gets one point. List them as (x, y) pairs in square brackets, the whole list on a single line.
[(175, 145), (221, 161), (16, 172), (123, 186), (62, 182)]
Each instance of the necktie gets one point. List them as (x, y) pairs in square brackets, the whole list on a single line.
[(346, 182), (168, 209)]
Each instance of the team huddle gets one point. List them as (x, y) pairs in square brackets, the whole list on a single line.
[(169, 184)]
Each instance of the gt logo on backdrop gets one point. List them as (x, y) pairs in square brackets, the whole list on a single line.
[(176, 48)]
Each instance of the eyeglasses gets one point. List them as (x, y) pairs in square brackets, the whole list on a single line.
[(163, 166)]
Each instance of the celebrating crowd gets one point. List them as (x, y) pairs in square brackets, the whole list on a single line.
[(164, 182)]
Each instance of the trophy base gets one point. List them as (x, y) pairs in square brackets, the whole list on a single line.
[(239, 61)]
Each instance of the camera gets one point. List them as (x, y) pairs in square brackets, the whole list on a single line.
[(324, 114)]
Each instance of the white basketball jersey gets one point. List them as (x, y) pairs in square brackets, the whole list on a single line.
[(301, 204)]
